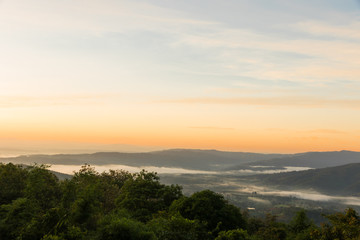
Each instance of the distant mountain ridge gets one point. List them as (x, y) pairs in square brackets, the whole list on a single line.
[(193, 159), (308, 159), (339, 180), (336, 173), (208, 160)]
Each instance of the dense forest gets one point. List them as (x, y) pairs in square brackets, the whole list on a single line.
[(35, 204)]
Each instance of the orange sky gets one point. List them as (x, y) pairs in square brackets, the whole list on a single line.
[(259, 76)]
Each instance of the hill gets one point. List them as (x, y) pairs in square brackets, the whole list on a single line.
[(340, 180), (309, 159), (208, 160), (205, 160)]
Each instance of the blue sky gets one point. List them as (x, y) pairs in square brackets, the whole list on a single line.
[(172, 60), (201, 43)]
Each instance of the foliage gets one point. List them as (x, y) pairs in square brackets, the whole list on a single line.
[(144, 195), (237, 234), (42, 187), (176, 227), (272, 230), (117, 204), (344, 226), (114, 227), (212, 208), (12, 182), (300, 222)]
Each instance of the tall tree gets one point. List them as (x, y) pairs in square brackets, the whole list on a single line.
[(144, 195), (210, 207)]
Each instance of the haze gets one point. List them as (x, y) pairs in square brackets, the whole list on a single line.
[(259, 76)]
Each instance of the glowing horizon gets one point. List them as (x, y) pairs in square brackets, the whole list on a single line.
[(265, 76)]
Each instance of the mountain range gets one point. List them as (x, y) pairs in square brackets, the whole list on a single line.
[(308, 159), (339, 180), (335, 172), (206, 160)]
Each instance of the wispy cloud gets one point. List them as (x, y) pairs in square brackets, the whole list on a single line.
[(65, 100), (234, 50), (210, 128), (111, 17), (325, 131), (315, 131), (348, 31), (308, 102)]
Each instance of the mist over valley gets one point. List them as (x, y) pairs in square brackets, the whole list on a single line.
[(263, 180)]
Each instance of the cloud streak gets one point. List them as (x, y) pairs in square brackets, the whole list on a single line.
[(210, 128), (307, 102), (349, 31), (325, 131), (41, 101)]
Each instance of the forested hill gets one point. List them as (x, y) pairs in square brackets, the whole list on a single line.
[(339, 180), (208, 160), (118, 205), (309, 159)]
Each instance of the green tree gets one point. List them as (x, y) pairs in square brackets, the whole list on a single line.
[(14, 216), (272, 230), (254, 225), (114, 227), (12, 182), (36, 213), (116, 177), (300, 226), (144, 195), (212, 208), (43, 187), (343, 226), (88, 196), (236, 234), (178, 228)]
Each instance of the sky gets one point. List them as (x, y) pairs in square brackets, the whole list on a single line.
[(241, 75)]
